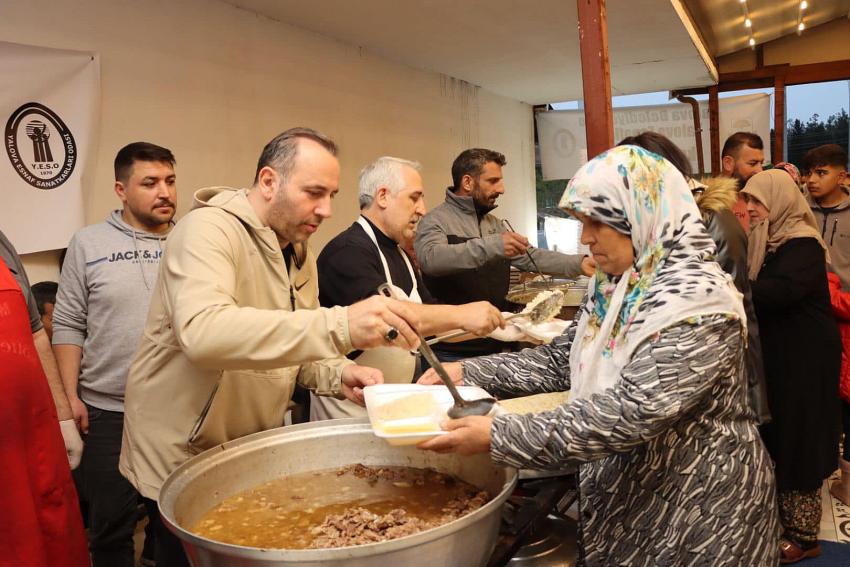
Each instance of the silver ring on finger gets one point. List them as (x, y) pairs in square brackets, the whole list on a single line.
[(391, 334)]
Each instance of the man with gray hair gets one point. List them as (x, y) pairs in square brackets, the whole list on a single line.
[(369, 253), (235, 322)]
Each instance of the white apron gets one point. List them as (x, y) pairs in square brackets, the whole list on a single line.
[(397, 364)]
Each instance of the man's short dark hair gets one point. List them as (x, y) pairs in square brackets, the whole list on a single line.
[(280, 153), (139, 151), (735, 141), (827, 154), (663, 146), (44, 292), (471, 162)]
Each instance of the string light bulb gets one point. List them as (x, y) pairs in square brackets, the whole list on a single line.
[(752, 42), (748, 23), (800, 15)]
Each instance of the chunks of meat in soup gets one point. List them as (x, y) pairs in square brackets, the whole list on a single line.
[(351, 505)]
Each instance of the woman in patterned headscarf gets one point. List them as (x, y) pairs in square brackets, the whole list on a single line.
[(672, 469), (802, 352)]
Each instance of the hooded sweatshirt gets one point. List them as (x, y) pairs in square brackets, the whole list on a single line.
[(233, 324), (834, 226), (104, 292)]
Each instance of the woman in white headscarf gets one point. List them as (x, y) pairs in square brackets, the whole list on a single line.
[(672, 469), (801, 347)]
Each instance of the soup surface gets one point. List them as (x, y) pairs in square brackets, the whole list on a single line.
[(351, 505)]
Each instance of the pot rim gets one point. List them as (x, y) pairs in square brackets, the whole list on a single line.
[(175, 482)]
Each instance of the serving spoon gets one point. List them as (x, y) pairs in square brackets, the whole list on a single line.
[(461, 407)]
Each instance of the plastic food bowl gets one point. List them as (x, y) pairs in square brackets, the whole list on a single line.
[(548, 330), (407, 414)]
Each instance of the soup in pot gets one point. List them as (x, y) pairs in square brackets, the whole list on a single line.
[(352, 505)]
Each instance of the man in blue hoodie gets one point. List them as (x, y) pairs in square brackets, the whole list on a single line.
[(104, 293)]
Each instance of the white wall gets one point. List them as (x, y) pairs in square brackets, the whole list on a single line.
[(214, 83)]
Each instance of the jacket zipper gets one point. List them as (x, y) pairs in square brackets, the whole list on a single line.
[(834, 228), (201, 418)]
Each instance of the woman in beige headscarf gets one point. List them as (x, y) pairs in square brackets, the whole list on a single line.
[(802, 352)]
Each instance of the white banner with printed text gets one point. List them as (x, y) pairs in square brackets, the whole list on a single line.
[(49, 108), (563, 146)]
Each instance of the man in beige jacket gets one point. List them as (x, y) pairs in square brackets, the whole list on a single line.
[(235, 321)]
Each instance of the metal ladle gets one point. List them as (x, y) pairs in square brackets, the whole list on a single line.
[(461, 407)]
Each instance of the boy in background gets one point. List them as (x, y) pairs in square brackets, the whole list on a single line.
[(827, 167), (830, 203)]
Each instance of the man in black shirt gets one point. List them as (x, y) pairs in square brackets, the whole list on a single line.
[(369, 253)]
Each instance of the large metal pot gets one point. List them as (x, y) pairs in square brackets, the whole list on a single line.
[(204, 481)]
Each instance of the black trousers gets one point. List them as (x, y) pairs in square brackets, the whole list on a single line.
[(112, 500), (168, 551)]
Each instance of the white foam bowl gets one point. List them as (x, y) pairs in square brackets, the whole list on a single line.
[(427, 426), (547, 331)]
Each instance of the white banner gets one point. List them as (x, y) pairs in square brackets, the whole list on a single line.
[(49, 107), (563, 146)]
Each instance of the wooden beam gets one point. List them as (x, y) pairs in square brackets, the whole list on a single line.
[(767, 72), (762, 83), (778, 118), (818, 72), (595, 75), (714, 126), (764, 77)]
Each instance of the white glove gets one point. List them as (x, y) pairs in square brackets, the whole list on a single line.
[(73, 442)]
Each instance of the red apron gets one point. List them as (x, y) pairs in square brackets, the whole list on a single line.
[(40, 523)]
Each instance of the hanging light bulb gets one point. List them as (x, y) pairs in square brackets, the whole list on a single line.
[(801, 26), (748, 23), (752, 42), (804, 5)]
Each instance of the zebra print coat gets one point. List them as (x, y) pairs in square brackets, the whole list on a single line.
[(672, 470)]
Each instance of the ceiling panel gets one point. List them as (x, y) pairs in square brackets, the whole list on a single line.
[(523, 50)]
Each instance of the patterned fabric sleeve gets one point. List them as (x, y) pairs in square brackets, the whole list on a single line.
[(531, 371), (667, 377)]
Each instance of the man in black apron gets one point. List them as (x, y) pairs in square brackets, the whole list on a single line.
[(369, 253)]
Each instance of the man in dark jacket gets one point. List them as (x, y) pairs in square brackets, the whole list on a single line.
[(466, 252)]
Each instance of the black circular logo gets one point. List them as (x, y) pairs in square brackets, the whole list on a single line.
[(40, 146)]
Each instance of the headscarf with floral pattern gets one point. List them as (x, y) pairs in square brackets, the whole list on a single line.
[(674, 277)]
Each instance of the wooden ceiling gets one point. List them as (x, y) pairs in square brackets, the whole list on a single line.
[(721, 22)]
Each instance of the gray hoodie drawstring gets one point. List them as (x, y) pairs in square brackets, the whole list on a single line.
[(141, 267)]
